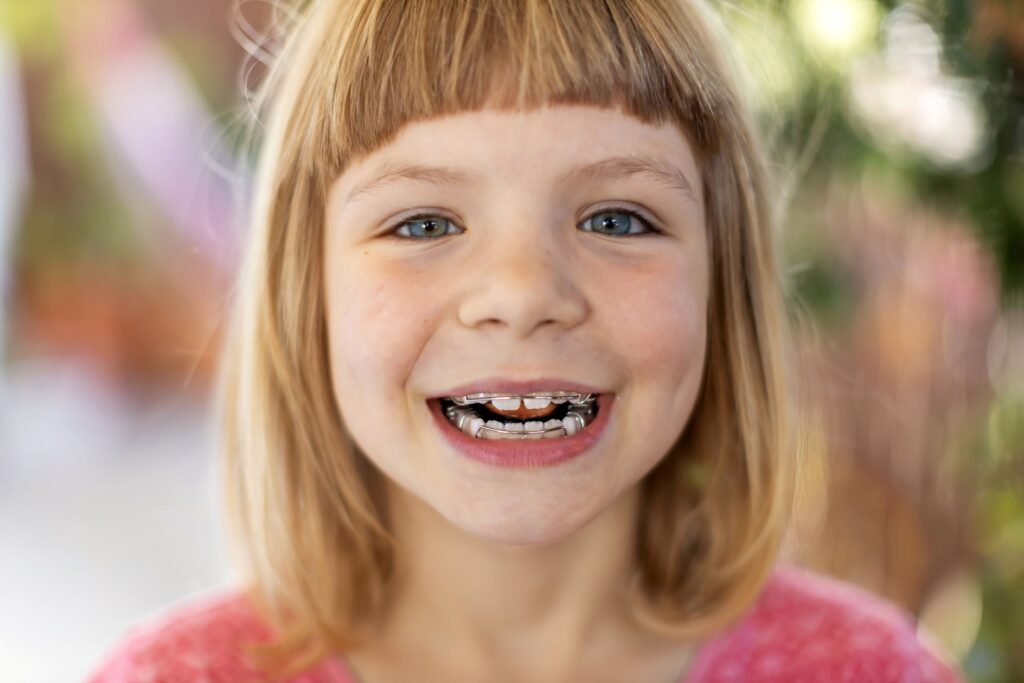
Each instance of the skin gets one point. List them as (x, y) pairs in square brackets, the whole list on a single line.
[(503, 561)]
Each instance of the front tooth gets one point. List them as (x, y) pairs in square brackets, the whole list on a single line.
[(513, 426), (506, 403), (536, 403), (534, 426)]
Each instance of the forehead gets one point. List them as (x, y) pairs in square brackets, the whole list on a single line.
[(554, 143)]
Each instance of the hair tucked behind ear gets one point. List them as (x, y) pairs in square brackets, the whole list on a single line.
[(304, 504)]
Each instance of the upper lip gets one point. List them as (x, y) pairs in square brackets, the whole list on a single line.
[(497, 385)]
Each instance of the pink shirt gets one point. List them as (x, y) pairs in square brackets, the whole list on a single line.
[(804, 627)]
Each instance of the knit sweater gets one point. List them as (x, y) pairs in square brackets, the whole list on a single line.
[(804, 627)]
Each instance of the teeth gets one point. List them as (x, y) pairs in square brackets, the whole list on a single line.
[(494, 424), (506, 403), (571, 425), (536, 403), (465, 419), (472, 426)]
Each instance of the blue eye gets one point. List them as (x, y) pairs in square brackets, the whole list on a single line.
[(617, 222), (426, 226)]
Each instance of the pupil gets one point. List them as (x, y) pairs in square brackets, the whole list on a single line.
[(428, 227), (616, 223)]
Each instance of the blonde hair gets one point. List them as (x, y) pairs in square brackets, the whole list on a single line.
[(304, 505)]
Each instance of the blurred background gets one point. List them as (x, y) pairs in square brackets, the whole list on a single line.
[(898, 138)]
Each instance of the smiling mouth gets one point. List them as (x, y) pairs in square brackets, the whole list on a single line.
[(540, 415)]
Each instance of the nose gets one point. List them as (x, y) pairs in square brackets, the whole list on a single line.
[(525, 284)]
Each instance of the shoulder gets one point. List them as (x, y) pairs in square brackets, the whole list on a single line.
[(203, 638), (807, 626)]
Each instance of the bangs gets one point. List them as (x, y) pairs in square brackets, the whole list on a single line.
[(408, 60)]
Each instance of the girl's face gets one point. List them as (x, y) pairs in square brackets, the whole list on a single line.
[(565, 244)]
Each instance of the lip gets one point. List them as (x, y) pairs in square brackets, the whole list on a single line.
[(521, 453), (497, 385)]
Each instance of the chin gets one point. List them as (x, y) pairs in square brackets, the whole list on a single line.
[(519, 523)]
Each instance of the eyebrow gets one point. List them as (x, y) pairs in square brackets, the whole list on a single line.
[(605, 170), (622, 167), (395, 171)]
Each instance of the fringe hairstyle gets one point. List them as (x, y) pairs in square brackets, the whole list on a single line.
[(302, 503)]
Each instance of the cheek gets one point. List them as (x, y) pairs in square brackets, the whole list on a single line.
[(378, 319), (657, 316)]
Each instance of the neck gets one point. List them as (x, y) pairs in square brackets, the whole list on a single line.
[(498, 601)]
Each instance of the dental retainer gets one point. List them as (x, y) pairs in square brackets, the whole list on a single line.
[(582, 409)]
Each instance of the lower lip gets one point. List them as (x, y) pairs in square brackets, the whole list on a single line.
[(518, 453)]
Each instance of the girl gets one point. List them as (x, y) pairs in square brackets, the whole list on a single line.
[(505, 398)]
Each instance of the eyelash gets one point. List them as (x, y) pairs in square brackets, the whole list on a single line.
[(650, 229)]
